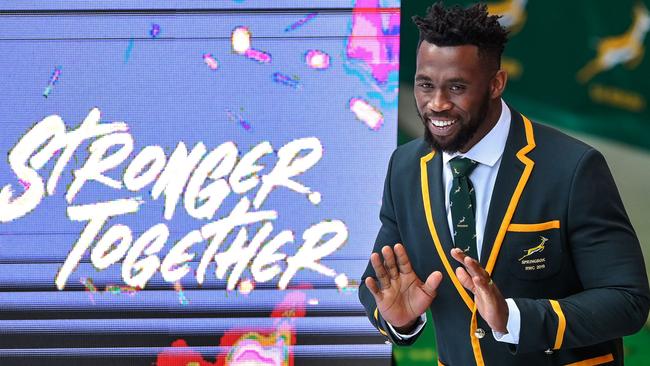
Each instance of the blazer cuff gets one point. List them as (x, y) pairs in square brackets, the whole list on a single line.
[(422, 320)]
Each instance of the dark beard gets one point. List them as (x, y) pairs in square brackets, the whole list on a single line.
[(467, 131)]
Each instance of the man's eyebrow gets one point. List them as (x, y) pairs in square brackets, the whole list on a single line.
[(452, 80), (459, 80)]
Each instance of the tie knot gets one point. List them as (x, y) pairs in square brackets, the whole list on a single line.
[(462, 167)]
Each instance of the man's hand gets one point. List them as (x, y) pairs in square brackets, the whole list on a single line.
[(489, 301), (403, 297)]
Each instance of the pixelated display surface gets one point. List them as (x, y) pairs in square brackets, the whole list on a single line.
[(192, 186)]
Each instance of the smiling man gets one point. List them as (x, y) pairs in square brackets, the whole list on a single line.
[(512, 233)]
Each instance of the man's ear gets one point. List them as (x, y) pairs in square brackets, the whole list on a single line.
[(498, 84)]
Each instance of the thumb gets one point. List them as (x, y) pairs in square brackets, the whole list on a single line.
[(430, 286)]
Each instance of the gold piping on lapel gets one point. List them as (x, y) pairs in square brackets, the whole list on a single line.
[(514, 200), (530, 228), (434, 235), (594, 361), (377, 320), (561, 324), (476, 345)]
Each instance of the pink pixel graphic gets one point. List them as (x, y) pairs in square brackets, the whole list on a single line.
[(365, 112), (235, 117), (25, 184), (210, 61), (301, 22), (317, 59), (53, 80), (257, 55), (287, 80), (154, 31), (241, 44), (375, 38)]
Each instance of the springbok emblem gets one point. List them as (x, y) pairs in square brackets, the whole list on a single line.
[(626, 48), (513, 14), (536, 249)]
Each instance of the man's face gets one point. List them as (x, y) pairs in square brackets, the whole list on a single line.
[(455, 93)]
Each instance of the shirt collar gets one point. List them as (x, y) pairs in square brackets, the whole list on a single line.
[(490, 148)]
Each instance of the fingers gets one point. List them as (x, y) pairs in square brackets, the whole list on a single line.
[(380, 270), (374, 289), (482, 281), (389, 262), (402, 259), (430, 286), (471, 275), (485, 288), (472, 266), (465, 279), (475, 270), (386, 269), (458, 255)]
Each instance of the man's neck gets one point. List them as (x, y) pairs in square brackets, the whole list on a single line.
[(491, 119)]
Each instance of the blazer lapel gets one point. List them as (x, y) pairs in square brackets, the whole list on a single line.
[(514, 171), (436, 217), (437, 201)]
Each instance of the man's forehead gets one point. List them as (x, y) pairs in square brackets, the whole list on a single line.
[(457, 57), (427, 49)]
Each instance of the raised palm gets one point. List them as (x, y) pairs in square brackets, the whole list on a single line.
[(401, 296), (489, 301)]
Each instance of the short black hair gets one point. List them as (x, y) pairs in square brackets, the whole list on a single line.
[(457, 26)]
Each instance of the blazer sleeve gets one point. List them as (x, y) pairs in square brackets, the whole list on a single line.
[(607, 256), (388, 235)]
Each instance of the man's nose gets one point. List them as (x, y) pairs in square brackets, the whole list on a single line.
[(439, 102)]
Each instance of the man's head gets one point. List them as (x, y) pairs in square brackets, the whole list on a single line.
[(458, 81)]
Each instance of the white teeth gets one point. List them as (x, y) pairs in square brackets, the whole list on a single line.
[(442, 123)]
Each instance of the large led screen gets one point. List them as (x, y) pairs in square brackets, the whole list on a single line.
[(192, 184)]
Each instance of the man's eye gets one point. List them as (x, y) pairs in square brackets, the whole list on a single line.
[(425, 85), (457, 88)]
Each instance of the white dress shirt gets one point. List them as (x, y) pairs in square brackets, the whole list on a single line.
[(487, 152)]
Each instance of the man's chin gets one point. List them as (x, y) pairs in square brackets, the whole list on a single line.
[(447, 145), (453, 143)]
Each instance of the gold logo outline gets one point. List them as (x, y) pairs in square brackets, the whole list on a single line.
[(626, 48), (536, 249)]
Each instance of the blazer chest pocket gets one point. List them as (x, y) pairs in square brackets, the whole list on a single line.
[(534, 250)]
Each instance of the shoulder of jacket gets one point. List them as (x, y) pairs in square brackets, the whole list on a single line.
[(557, 146)]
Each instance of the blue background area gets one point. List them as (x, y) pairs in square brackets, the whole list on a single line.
[(164, 91)]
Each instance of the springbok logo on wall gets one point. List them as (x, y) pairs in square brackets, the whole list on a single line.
[(513, 17), (513, 14), (626, 48)]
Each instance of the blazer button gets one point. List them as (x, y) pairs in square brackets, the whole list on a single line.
[(549, 351), (479, 333)]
